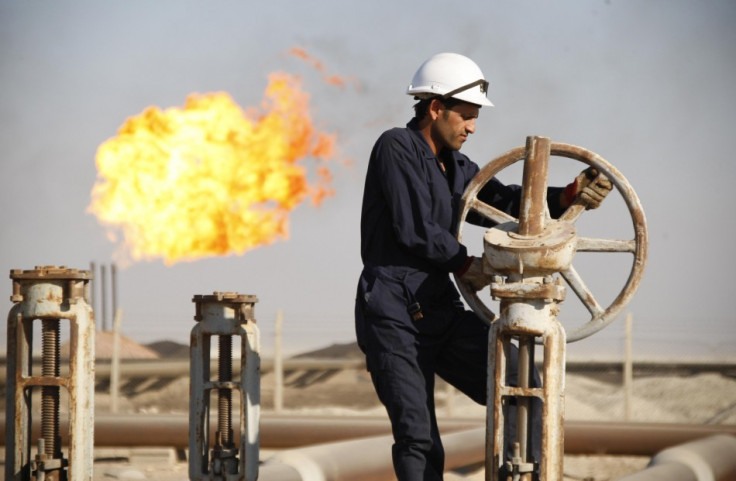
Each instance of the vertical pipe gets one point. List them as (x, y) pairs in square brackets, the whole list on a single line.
[(526, 344), (250, 412), (103, 296), (553, 408), (534, 186), (92, 283), (628, 370), (278, 364), (81, 392), (498, 351), (115, 363), (114, 289)]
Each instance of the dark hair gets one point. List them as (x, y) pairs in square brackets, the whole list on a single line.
[(421, 107)]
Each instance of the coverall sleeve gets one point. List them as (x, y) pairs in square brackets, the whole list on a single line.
[(403, 181)]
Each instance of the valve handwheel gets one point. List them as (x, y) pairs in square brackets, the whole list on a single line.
[(600, 316)]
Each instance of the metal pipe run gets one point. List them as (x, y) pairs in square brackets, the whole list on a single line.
[(643, 439), (289, 431), (365, 459), (707, 459), (180, 367), (130, 368)]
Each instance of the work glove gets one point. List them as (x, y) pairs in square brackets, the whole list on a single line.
[(590, 187), (472, 274)]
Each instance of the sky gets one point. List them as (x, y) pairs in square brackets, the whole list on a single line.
[(646, 85)]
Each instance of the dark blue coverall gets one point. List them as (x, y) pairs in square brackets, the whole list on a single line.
[(410, 210)]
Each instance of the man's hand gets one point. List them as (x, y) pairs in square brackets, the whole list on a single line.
[(590, 187), (474, 275)]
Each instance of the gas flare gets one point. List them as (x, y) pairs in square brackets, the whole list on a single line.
[(318, 65), (209, 179)]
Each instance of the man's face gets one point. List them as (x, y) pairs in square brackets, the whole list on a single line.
[(452, 126)]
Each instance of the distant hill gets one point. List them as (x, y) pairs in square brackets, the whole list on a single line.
[(129, 349), (169, 349), (348, 350)]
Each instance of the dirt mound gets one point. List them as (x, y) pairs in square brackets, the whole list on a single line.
[(169, 349), (348, 350), (129, 349)]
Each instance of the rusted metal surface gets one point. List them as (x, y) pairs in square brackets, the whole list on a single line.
[(548, 289), (525, 257), (219, 457), (551, 393), (601, 316), (50, 294), (534, 192), (548, 252)]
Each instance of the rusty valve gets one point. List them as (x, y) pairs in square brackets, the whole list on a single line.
[(225, 315), (524, 255), (557, 242), (50, 294)]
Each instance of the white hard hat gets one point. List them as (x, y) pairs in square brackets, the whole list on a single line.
[(450, 75)]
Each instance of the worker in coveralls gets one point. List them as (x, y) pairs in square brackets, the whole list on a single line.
[(410, 321)]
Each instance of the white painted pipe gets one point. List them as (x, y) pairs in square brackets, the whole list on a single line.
[(367, 459), (707, 459)]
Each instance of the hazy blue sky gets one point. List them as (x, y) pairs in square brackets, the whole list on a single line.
[(647, 85)]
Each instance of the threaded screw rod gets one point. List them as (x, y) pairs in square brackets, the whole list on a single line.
[(50, 394), (224, 396)]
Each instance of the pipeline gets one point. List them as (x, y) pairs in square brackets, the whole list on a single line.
[(325, 448), (366, 459), (707, 459), (180, 367), (289, 431)]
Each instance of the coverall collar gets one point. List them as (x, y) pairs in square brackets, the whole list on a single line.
[(413, 127), (445, 155)]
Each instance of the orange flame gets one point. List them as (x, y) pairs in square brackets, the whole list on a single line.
[(209, 179), (330, 79)]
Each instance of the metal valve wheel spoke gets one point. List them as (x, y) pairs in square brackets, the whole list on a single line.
[(573, 213), (574, 280), (600, 316), (490, 212), (589, 244)]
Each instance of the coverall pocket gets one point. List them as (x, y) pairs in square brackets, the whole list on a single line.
[(386, 299)]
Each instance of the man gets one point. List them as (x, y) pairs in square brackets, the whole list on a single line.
[(410, 321)]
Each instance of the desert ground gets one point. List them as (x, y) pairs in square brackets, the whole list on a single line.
[(686, 396)]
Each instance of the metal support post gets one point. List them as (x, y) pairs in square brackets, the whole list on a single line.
[(224, 314), (528, 254), (50, 294), (523, 324)]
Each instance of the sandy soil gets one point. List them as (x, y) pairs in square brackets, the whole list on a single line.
[(699, 398), (705, 398)]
